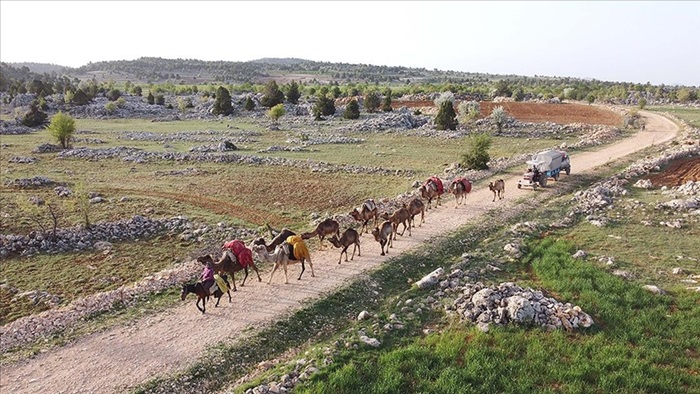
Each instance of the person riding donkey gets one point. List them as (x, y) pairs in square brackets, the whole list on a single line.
[(207, 278)]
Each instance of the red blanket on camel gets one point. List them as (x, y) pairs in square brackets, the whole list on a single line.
[(465, 182), (243, 254), (437, 183)]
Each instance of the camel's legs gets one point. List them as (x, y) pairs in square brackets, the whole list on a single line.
[(303, 267), (256, 271), (312, 268), (273, 272)]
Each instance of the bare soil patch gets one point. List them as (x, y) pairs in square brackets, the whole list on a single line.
[(678, 173), (538, 112)]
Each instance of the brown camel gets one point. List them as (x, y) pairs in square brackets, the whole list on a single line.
[(350, 237), (369, 211), (432, 190), (326, 227), (400, 216), (229, 265), (383, 235), (415, 207), (281, 237)]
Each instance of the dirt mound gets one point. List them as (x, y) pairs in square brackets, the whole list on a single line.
[(538, 112), (678, 173)]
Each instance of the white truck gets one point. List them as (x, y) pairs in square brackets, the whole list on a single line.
[(545, 165)]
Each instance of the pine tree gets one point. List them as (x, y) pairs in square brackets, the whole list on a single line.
[(150, 99), (222, 105), (446, 118), (371, 101), (386, 104), (249, 104), (352, 110), (293, 93), (272, 96)]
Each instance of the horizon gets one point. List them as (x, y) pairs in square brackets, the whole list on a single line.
[(625, 42)]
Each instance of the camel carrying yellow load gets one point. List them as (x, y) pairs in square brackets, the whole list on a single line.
[(300, 251)]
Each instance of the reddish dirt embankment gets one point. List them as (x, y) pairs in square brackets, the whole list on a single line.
[(678, 173), (538, 112)]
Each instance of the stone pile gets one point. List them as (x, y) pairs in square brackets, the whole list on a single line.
[(302, 371), (30, 183), (46, 148), (594, 200), (391, 120), (77, 238), (196, 136), (136, 155), (509, 303), (309, 140), (689, 188), (13, 128), (23, 160), (30, 328)]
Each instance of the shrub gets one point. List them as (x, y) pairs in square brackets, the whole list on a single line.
[(160, 99), (324, 106), (249, 104), (446, 118), (111, 107), (272, 96), (590, 98), (642, 103), (80, 97), (477, 155), (137, 91), (500, 117), (113, 95), (386, 104), (62, 127), (121, 103), (222, 105), (150, 99), (371, 101), (468, 110), (352, 110), (292, 94), (35, 116), (276, 112)]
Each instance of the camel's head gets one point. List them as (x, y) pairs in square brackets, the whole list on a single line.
[(205, 259), (375, 232), (384, 215), (355, 214), (335, 241), (260, 250), (307, 235), (491, 186)]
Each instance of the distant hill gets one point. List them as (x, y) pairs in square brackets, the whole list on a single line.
[(41, 68)]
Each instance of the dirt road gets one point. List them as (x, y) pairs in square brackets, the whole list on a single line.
[(160, 344)]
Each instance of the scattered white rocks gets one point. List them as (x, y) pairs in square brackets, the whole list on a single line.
[(373, 342), (643, 184), (623, 274), (678, 271), (512, 249), (30, 183), (364, 315), (23, 160), (580, 254), (62, 191), (653, 289)]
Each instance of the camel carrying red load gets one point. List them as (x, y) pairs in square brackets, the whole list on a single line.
[(438, 183), (243, 254)]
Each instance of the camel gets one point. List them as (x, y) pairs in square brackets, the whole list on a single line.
[(400, 216), (326, 227), (498, 187), (431, 189), (460, 187), (350, 237), (229, 265), (415, 207), (369, 211), (281, 257), (281, 236), (383, 235)]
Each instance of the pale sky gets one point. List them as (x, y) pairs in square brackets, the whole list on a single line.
[(627, 41)]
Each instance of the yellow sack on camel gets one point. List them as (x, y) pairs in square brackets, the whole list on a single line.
[(221, 283), (300, 249)]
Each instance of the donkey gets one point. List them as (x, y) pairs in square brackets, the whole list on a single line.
[(350, 237), (202, 294), (326, 227), (229, 264), (498, 188), (460, 187), (368, 212)]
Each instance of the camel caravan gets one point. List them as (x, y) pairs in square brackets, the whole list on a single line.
[(287, 247)]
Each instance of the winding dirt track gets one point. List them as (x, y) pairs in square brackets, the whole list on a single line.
[(125, 356)]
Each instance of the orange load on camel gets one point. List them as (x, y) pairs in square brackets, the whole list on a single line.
[(243, 254), (299, 246)]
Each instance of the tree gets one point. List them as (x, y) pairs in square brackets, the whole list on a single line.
[(500, 117), (683, 95), (150, 99), (113, 95), (335, 92), (46, 215), (276, 112), (293, 93), (62, 127), (352, 110), (502, 88), (386, 104), (642, 103), (272, 95), (160, 99), (249, 104), (371, 101), (477, 155), (324, 106), (468, 110), (590, 98), (80, 97), (35, 116), (446, 118), (222, 105)]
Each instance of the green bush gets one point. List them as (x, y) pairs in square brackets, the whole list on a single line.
[(222, 105), (276, 112), (352, 110), (446, 118), (371, 101), (477, 155), (62, 127)]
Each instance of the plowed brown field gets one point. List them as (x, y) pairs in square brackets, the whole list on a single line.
[(678, 173), (538, 112)]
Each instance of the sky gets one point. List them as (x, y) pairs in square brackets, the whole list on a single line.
[(627, 41)]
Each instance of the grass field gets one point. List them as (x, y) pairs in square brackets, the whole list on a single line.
[(690, 115)]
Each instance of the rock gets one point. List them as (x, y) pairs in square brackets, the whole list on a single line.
[(643, 184), (431, 279), (653, 289), (519, 309), (580, 254), (482, 298), (623, 274), (97, 200), (364, 315), (512, 249), (370, 341), (678, 271)]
